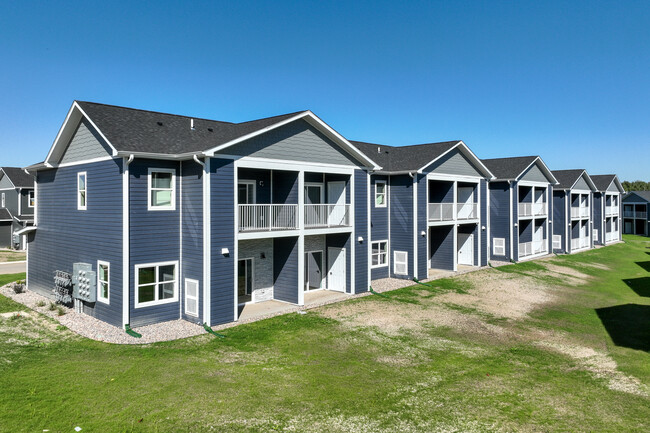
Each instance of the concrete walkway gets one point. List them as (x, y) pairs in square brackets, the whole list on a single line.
[(13, 267)]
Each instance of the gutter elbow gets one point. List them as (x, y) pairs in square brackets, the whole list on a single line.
[(198, 161)]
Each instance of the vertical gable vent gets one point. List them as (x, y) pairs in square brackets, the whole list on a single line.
[(400, 262)]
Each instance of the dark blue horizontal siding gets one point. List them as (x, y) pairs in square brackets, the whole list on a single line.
[(559, 218), (285, 269), (499, 217), (154, 237), (378, 223), (422, 225), (441, 247), (361, 179), (222, 223), (192, 226), (66, 235), (484, 223), (401, 220)]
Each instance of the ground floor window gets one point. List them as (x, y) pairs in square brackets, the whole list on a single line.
[(379, 254), (156, 283), (103, 281)]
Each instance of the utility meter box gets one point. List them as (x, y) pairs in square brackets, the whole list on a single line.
[(84, 282)]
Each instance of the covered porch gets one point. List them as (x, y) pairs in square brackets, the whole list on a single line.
[(451, 247)]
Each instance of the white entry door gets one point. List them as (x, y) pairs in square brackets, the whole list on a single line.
[(465, 249), (336, 269), (336, 199)]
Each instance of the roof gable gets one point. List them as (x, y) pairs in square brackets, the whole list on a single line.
[(86, 143), (17, 177), (637, 196), (453, 162), (567, 179), (530, 168)]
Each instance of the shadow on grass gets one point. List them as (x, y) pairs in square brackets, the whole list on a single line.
[(640, 285), (644, 265), (628, 325)]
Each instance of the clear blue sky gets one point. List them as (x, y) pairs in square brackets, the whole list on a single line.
[(568, 80)]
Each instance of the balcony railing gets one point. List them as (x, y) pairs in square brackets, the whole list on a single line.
[(634, 214), (451, 211), (261, 217), (532, 209), (611, 210), (611, 236), (532, 248), (579, 243), (579, 212), (441, 211), (327, 215)]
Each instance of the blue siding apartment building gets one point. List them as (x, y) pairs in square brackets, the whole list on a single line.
[(169, 217)]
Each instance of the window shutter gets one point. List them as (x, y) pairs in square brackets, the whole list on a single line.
[(499, 246), (400, 262)]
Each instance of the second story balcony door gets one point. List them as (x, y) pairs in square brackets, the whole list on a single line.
[(465, 203), (336, 196)]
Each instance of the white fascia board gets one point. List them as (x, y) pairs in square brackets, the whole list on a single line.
[(468, 153), (545, 169), (26, 230), (165, 156), (313, 120), (67, 129)]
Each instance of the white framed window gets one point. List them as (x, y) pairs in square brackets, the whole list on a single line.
[(400, 262), (103, 281), (499, 246), (246, 192), (31, 200), (379, 254), (2, 201), (191, 297), (557, 242), (156, 284), (162, 189), (82, 191), (380, 193)]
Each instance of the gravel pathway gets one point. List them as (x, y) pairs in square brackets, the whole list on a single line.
[(95, 329)]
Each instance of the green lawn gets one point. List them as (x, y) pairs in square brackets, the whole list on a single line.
[(12, 256), (6, 304), (569, 351)]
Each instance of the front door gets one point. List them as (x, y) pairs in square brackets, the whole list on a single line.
[(313, 270), (336, 199), (244, 281), (465, 249), (336, 269)]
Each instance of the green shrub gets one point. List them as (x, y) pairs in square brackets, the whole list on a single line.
[(17, 287), (52, 306), (40, 303), (60, 311)]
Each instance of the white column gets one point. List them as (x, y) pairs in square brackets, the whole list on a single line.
[(301, 237)]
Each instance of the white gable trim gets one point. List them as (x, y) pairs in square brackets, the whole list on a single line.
[(75, 114), (313, 120), (465, 150), (588, 179), (544, 168)]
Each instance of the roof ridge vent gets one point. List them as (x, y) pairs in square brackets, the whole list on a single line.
[(378, 149)]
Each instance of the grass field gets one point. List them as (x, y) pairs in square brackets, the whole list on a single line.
[(552, 345), (11, 256)]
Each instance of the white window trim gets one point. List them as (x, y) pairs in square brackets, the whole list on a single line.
[(396, 262), (158, 302), (248, 182), (372, 254), (31, 199), (99, 297), (85, 190), (321, 189), (501, 247), (190, 280), (383, 182), (173, 201)]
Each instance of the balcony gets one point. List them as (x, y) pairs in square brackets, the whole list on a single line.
[(580, 212), (267, 217), (611, 236), (327, 215), (532, 248), (611, 210), (452, 211), (634, 214), (579, 243), (532, 209)]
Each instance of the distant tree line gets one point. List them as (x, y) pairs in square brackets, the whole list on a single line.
[(637, 185)]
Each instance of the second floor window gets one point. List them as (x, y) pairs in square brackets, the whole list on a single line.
[(31, 201), (380, 194), (162, 191), (82, 189)]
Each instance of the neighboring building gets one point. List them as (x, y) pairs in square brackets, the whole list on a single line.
[(190, 218), (636, 215), (572, 211), (520, 208), (16, 205), (428, 209), (607, 209)]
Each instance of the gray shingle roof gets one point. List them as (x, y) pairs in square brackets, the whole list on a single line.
[(602, 181), (404, 158), (4, 214), (18, 177), (643, 194), (133, 130), (567, 177), (508, 168)]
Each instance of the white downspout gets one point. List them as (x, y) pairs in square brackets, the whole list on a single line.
[(126, 265)]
